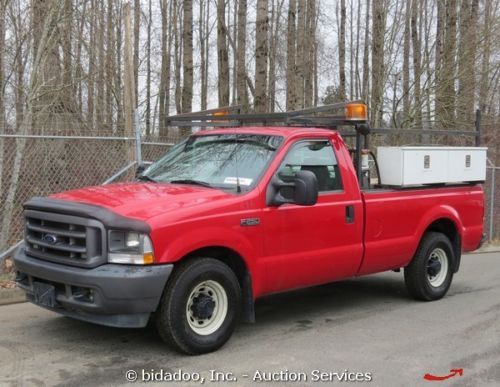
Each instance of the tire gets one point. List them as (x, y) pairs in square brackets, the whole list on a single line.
[(200, 306), (428, 276)]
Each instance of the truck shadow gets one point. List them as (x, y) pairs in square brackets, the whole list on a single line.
[(337, 302)]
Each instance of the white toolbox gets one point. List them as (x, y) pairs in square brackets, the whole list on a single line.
[(418, 165)]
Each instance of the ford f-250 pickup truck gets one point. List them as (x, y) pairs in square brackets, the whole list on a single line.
[(228, 216)]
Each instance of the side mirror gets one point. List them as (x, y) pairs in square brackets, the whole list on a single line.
[(140, 169), (302, 191)]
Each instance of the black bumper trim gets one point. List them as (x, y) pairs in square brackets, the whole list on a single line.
[(117, 290)]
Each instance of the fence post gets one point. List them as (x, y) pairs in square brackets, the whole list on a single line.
[(492, 202), (137, 131), (478, 127)]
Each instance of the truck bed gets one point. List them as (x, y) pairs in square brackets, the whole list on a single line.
[(395, 220)]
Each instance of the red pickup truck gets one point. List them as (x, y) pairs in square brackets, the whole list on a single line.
[(231, 215)]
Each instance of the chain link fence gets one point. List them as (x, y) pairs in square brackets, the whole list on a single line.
[(48, 162), (56, 160)]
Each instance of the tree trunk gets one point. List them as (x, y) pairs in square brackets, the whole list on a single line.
[(466, 60), (110, 65), (101, 102), (351, 51), (118, 74), (406, 65), (3, 10), (261, 56), (222, 55), (273, 51), (416, 64), (309, 52), (485, 60), (291, 96), (91, 71), (366, 45), (204, 92), (234, 87), (177, 59), (445, 88), (300, 52), (378, 71), (342, 82), (203, 58), (241, 56), (129, 89), (441, 17), (272, 58), (187, 57), (187, 62), (147, 113), (137, 32), (67, 77)]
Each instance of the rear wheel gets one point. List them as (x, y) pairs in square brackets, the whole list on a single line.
[(428, 277), (200, 306)]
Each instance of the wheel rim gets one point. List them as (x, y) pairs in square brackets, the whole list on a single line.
[(206, 308), (437, 267)]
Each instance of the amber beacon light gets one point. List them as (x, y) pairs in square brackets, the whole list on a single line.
[(356, 112)]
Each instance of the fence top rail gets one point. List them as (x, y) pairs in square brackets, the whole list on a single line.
[(69, 137)]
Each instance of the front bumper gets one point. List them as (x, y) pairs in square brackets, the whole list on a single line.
[(111, 294)]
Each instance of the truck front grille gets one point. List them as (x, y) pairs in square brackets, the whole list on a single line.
[(64, 238)]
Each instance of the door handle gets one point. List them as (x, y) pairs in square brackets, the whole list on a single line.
[(349, 214)]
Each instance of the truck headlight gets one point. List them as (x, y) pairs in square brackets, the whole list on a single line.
[(130, 247)]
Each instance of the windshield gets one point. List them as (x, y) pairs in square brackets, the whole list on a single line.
[(218, 161)]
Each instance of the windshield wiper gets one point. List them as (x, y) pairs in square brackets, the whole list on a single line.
[(190, 181), (146, 178)]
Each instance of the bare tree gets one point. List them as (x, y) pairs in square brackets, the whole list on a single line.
[(445, 85), (291, 96), (300, 52), (166, 47), (261, 55), (366, 45), (485, 60), (137, 35), (342, 81), (242, 91), (177, 22), (416, 63), (203, 38), (148, 71), (406, 62), (310, 40), (187, 39), (378, 33), (222, 54)]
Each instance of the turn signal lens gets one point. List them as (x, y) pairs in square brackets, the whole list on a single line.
[(148, 258), (356, 112)]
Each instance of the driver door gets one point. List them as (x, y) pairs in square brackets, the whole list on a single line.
[(310, 245)]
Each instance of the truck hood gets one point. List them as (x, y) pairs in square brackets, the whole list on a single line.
[(144, 200)]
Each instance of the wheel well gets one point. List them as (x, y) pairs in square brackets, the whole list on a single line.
[(447, 227), (238, 266)]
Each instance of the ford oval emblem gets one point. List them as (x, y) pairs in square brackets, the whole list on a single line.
[(50, 239)]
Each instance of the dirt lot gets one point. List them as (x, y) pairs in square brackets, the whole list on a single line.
[(366, 325)]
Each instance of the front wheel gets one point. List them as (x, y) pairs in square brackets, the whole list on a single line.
[(200, 306), (428, 277)]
